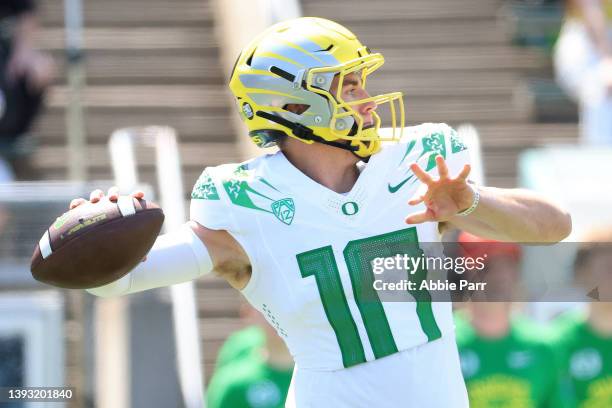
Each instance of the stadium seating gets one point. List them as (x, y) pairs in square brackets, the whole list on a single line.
[(148, 62), (456, 62), (536, 24)]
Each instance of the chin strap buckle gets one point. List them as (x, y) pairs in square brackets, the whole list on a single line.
[(302, 131)]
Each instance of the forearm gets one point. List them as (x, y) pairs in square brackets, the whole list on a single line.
[(515, 215), (176, 257), (595, 22)]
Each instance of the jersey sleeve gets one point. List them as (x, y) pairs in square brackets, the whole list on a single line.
[(209, 207), (457, 153), (424, 142), (220, 200)]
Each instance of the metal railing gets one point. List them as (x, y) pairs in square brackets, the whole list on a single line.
[(163, 139)]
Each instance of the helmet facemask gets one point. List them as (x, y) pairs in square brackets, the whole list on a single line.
[(346, 123)]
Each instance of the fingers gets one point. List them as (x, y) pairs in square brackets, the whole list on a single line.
[(419, 195), (442, 171), (465, 172), (138, 194), (96, 195), (442, 168), (420, 173), (416, 201), (76, 202), (419, 218), (113, 193)]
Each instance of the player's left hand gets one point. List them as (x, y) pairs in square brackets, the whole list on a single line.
[(444, 197)]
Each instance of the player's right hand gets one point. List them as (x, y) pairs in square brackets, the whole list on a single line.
[(97, 195)]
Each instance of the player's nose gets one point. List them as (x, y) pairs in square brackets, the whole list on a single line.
[(365, 109), (367, 106)]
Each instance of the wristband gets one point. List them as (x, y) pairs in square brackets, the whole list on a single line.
[(475, 202)]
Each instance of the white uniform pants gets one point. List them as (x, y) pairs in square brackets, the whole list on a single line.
[(427, 376), (580, 74)]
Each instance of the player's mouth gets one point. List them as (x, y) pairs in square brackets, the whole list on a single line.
[(368, 126)]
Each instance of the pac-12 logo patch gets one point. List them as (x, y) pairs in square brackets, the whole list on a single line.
[(284, 210)]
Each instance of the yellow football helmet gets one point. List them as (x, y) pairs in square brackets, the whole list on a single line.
[(294, 62)]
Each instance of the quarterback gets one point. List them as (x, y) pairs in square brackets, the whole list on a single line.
[(296, 231)]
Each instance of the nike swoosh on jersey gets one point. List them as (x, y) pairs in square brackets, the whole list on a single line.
[(393, 189)]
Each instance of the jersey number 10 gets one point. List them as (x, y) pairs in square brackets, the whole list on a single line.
[(358, 255)]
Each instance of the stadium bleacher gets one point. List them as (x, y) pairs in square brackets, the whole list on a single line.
[(456, 62), (153, 63)]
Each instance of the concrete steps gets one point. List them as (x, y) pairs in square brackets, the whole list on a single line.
[(117, 13), (146, 62)]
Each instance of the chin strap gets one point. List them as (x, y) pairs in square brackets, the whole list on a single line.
[(304, 132)]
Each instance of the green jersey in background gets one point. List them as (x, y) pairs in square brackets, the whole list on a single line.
[(586, 363), (241, 345), (243, 378), (514, 371)]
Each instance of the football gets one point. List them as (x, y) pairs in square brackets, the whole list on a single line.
[(96, 243)]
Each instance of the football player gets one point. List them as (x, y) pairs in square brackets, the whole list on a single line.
[(505, 358), (585, 337), (253, 368), (296, 231)]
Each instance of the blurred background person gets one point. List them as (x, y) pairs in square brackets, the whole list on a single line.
[(585, 337), (25, 74), (253, 368), (583, 63), (504, 358)]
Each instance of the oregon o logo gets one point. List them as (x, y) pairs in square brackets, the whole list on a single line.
[(350, 208)]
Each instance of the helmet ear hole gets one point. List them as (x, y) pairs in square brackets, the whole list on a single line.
[(296, 108)]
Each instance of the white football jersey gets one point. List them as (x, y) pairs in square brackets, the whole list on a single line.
[(311, 249)]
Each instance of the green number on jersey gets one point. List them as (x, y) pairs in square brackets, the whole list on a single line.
[(358, 255)]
